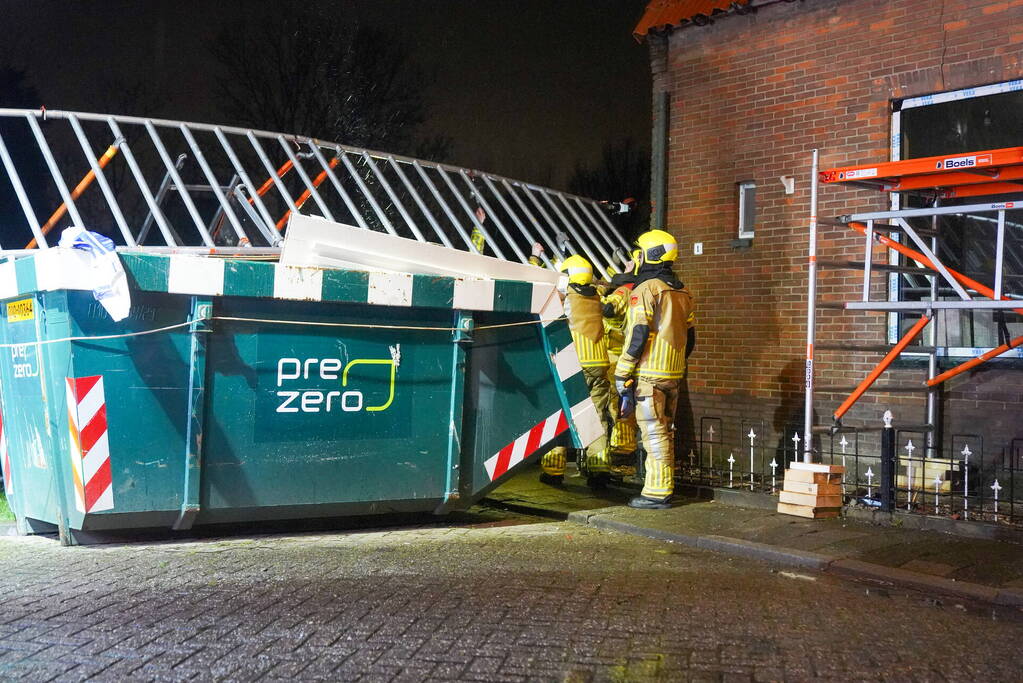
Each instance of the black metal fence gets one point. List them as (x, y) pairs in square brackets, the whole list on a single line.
[(967, 479)]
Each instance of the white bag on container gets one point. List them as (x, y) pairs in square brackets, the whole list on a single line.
[(109, 282)]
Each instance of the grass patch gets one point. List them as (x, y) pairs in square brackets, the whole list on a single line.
[(5, 510)]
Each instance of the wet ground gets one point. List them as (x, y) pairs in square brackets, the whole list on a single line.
[(494, 597)]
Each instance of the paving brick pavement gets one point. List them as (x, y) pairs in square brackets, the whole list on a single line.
[(986, 562), (501, 601)]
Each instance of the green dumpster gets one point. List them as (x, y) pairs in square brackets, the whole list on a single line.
[(243, 390)]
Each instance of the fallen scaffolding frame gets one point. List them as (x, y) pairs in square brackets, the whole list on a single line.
[(207, 202), (937, 179)]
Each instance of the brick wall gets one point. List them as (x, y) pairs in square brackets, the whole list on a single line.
[(751, 96)]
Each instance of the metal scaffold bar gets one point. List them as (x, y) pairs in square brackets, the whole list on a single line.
[(942, 178), (811, 313), (588, 230), (587, 248), (551, 243), (418, 199), (172, 170), (152, 202), (58, 179), (200, 158), (493, 214), (380, 194), (328, 168), (393, 196), (265, 226), (445, 207), (19, 190), (306, 180), (97, 172), (367, 195), (518, 222)]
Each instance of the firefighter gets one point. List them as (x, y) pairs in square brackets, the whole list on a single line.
[(659, 337), (616, 307), (585, 320)]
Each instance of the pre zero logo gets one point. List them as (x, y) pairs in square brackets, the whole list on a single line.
[(345, 398)]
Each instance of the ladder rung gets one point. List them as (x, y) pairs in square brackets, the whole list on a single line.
[(872, 348), (875, 267), (875, 389)]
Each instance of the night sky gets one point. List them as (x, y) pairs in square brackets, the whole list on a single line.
[(525, 88)]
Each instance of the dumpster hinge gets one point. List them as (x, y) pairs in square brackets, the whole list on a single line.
[(462, 337), (202, 311)]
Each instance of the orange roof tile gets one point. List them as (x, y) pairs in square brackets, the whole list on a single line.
[(662, 14)]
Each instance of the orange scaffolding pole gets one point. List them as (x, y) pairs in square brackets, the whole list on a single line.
[(304, 197), (924, 261), (968, 174), (881, 367), (961, 279), (81, 187), (265, 187), (974, 362)]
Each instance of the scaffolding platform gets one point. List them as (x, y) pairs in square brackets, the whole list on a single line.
[(974, 174), (984, 174)]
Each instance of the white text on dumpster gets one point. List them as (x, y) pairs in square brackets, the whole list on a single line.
[(328, 370)]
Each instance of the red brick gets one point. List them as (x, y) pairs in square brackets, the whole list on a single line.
[(750, 97)]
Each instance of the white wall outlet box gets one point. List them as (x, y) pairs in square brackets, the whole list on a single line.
[(697, 248)]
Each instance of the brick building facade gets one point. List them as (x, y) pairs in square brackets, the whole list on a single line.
[(749, 96)]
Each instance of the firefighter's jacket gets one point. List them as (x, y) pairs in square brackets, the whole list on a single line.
[(586, 321), (616, 309), (660, 315)]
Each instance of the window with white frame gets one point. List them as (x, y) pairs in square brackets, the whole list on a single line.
[(972, 120), (747, 191)]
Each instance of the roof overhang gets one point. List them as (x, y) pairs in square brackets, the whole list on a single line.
[(664, 16)]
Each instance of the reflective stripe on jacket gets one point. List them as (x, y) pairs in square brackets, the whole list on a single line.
[(655, 337), (586, 321)]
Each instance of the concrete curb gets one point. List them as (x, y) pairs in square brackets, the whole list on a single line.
[(922, 582), (829, 564), (984, 531)]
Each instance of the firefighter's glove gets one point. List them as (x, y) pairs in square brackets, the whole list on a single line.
[(626, 387)]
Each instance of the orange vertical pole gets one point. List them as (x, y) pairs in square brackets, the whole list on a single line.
[(882, 366), (75, 194)]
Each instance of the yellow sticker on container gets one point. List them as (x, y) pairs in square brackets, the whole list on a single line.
[(18, 311)]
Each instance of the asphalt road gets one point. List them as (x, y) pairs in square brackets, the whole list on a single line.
[(505, 599)]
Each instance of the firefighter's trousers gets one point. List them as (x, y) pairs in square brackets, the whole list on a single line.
[(655, 415), (597, 458), (623, 431)]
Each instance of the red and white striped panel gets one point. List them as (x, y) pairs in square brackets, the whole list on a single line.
[(90, 448), (527, 444), (5, 459)]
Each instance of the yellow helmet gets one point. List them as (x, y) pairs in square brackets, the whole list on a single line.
[(657, 246), (579, 270)]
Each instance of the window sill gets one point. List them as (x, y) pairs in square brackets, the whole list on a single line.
[(741, 243)]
